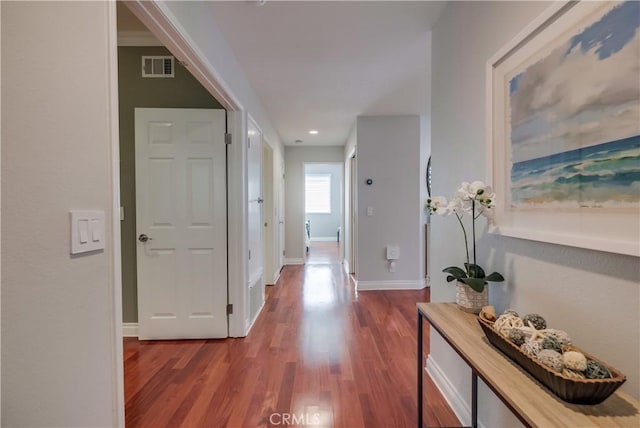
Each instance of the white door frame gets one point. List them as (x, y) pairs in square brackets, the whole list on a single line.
[(117, 351), (353, 212), (268, 212), (159, 21)]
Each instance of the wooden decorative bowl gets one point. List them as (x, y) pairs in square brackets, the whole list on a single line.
[(576, 391)]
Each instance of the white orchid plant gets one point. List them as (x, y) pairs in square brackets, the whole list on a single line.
[(475, 199)]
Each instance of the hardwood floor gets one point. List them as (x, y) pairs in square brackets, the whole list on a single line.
[(319, 355)]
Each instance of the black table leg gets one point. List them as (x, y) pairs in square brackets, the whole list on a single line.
[(420, 370), (474, 399)]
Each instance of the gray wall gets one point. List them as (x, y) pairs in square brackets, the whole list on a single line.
[(60, 345), (389, 153), (592, 295), (182, 91), (294, 159), (326, 225)]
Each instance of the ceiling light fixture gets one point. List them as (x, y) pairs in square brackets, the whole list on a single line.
[(313, 132)]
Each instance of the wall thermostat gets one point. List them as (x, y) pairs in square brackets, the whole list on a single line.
[(369, 182)]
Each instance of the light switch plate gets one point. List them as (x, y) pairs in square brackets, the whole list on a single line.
[(87, 231)]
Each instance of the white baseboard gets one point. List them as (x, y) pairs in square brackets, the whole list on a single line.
[(325, 239), (458, 404), (276, 277), (250, 324), (293, 261), (129, 329), (345, 263), (418, 284)]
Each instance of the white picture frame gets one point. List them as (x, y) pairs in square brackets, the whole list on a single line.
[(614, 229)]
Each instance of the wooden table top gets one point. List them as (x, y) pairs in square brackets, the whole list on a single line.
[(537, 405)]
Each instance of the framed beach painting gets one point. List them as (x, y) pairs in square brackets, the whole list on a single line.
[(563, 119)]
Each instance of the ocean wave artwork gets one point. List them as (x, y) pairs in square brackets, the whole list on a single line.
[(574, 125)]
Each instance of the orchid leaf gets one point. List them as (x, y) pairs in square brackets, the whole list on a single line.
[(476, 283), (450, 278), (494, 277), (475, 271), (455, 271)]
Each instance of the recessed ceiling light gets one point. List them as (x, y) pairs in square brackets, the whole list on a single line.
[(313, 132)]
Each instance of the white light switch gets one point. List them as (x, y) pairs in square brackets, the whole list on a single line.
[(96, 230), (83, 230), (369, 211), (87, 231)]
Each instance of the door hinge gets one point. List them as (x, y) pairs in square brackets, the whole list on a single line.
[(249, 254), (229, 309), (249, 142), (227, 139), (283, 253)]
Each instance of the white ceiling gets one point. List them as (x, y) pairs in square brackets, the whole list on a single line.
[(320, 64)]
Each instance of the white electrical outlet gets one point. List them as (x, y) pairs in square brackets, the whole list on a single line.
[(393, 252)]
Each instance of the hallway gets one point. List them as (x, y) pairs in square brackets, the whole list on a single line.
[(320, 354), (323, 252)]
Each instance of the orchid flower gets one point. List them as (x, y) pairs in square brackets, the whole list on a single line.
[(476, 199)]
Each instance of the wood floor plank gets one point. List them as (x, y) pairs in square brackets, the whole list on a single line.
[(319, 354)]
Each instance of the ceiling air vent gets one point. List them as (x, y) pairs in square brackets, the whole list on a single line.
[(158, 66)]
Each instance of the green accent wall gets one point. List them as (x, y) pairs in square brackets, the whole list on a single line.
[(182, 91)]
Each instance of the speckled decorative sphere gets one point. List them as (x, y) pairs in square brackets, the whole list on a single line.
[(536, 321), (560, 335), (511, 312), (574, 360), (551, 342), (595, 370), (532, 348), (551, 359), (506, 322), (572, 374), (517, 336)]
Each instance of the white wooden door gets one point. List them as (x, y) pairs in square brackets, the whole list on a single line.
[(280, 205), (181, 223), (254, 155), (255, 219)]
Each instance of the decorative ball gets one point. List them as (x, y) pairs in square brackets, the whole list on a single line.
[(551, 359), (572, 374), (574, 360), (595, 370), (511, 312), (506, 322), (551, 342), (517, 336), (536, 321), (560, 335), (532, 348)]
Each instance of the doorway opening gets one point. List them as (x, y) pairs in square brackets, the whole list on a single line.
[(323, 211)]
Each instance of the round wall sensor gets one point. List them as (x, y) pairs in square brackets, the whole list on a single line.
[(369, 182)]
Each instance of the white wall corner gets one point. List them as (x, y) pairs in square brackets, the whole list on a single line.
[(293, 261), (129, 329), (417, 284)]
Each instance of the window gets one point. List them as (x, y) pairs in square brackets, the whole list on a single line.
[(317, 188)]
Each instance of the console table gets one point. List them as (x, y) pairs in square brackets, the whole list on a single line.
[(530, 402)]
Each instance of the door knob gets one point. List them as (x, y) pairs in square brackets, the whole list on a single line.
[(144, 238), (260, 200)]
